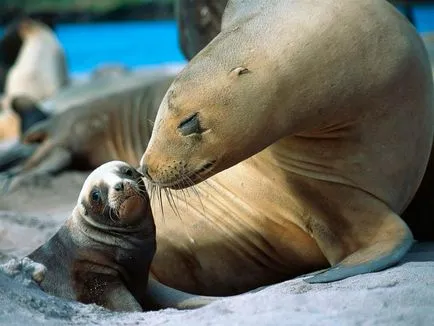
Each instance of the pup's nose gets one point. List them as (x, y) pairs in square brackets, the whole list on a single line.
[(119, 186)]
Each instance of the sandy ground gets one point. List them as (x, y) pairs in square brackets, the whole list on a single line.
[(403, 295)]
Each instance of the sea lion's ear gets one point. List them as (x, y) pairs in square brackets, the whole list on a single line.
[(29, 112), (238, 71)]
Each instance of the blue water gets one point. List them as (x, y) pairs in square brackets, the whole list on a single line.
[(131, 43), (424, 16), (145, 43)]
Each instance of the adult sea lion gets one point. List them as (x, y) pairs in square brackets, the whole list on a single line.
[(428, 39), (334, 100)]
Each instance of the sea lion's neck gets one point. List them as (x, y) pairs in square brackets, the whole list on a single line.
[(90, 230)]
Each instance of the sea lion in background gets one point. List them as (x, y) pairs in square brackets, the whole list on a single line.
[(10, 45), (15, 152), (331, 103), (110, 71), (17, 115), (101, 125), (103, 251), (199, 21), (38, 72), (40, 69), (82, 95)]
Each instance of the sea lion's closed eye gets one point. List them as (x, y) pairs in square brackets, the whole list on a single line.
[(191, 125)]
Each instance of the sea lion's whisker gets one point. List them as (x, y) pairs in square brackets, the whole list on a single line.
[(206, 181), (109, 213), (173, 198), (160, 199), (193, 187), (185, 190), (171, 202), (142, 193)]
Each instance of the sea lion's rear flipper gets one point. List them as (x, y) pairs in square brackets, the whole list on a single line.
[(29, 112), (160, 296), (388, 245), (116, 297)]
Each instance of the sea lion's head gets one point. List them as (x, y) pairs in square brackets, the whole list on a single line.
[(217, 112), (114, 195)]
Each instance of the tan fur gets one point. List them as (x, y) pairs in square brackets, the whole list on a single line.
[(334, 100)]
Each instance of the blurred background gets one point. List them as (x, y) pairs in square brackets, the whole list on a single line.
[(93, 32), (134, 33)]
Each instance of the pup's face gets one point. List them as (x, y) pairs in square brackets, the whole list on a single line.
[(114, 195)]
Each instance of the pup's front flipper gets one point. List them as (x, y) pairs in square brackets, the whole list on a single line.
[(25, 270)]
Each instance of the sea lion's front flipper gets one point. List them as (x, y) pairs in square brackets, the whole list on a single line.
[(160, 296), (47, 159), (388, 246), (116, 297), (16, 155)]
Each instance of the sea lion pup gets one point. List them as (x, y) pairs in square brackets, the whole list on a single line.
[(320, 97), (39, 71), (103, 252)]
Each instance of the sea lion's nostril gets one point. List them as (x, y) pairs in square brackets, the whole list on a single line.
[(119, 186), (144, 170)]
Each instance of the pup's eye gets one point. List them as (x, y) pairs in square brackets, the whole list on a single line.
[(128, 172), (190, 125), (95, 195)]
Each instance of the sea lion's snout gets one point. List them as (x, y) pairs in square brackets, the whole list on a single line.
[(127, 196)]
